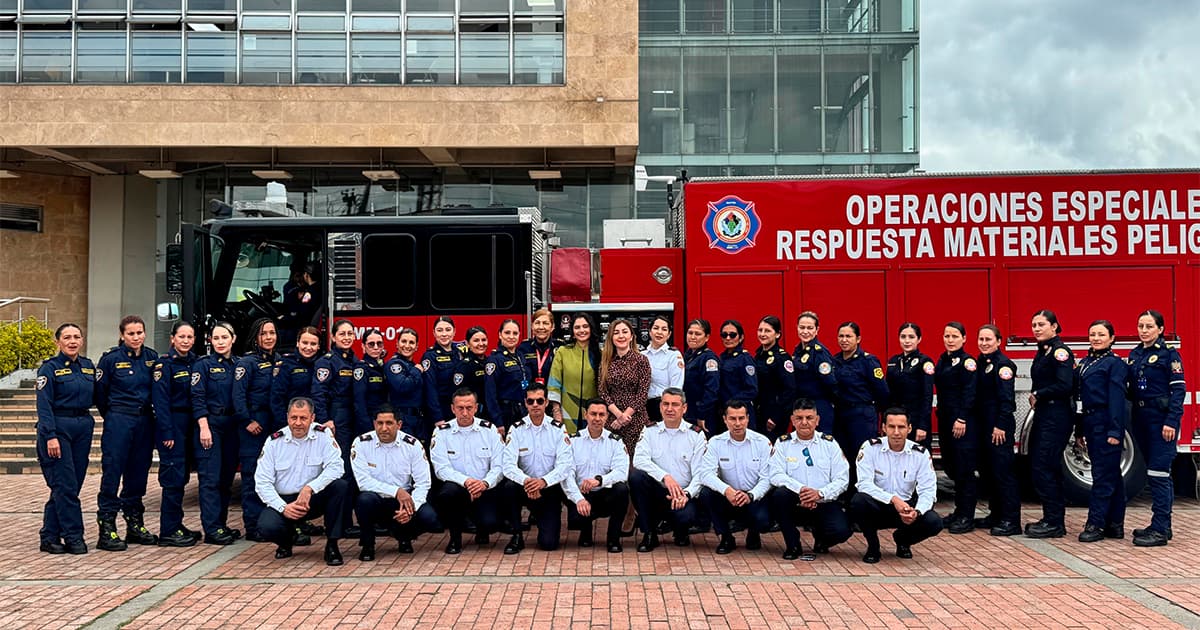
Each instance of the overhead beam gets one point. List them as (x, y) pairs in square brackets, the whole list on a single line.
[(70, 160)]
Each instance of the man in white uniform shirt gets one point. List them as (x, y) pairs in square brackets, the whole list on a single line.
[(896, 488), (809, 472), (537, 459), (597, 487), (736, 475), (666, 472), (393, 485), (467, 454), (299, 476)]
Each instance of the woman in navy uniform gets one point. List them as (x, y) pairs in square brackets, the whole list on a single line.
[(471, 370), (252, 401), (505, 377), (370, 382), (439, 363), (538, 350), (1100, 380), (776, 384), (995, 403), (123, 378), (333, 387), (814, 376), (216, 435), (910, 383), (701, 375), (65, 388), (862, 392), (739, 374), (293, 373), (1157, 388), (958, 433), (1053, 378), (406, 386), (172, 395)]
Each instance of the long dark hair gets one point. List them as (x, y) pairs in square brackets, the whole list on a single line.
[(593, 339)]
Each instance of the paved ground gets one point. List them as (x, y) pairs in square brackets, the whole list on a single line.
[(954, 581)]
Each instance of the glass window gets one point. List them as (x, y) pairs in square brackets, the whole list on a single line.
[(483, 6), (100, 57), (492, 287), (259, 264), (8, 57), (273, 6), (101, 6), (212, 58), (389, 264), (892, 90), (852, 17), (610, 196), (538, 59), (211, 6), (321, 58), (8, 7), (380, 6), (704, 107), (800, 99), (321, 23), (375, 59), (437, 6), (751, 100), (157, 6), (266, 58), (753, 16), (658, 16), (484, 59), (704, 16), (848, 103), (332, 6), (659, 111), (47, 6), (538, 6), (156, 57), (373, 23), (430, 24), (46, 57), (430, 59), (800, 16), (267, 22)]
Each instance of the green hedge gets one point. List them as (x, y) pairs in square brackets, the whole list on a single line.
[(27, 348)]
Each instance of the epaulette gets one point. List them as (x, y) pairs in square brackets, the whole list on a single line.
[(408, 439), (320, 427), (827, 436), (518, 423), (443, 425), (697, 429), (816, 346), (614, 436), (785, 437), (486, 424), (557, 424), (576, 434), (276, 435), (876, 441), (366, 437), (919, 448)]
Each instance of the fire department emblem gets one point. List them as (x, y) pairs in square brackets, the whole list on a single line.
[(731, 224)]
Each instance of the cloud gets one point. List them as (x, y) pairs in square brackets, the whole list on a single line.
[(1067, 84)]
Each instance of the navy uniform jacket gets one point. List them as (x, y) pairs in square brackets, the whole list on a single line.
[(406, 384), (370, 391), (776, 385), (860, 381), (333, 383), (291, 377), (955, 379), (538, 357), (1100, 381), (739, 379), (172, 392), (66, 388), (439, 365), (1156, 381), (123, 380), (252, 387), (1052, 371), (995, 392), (910, 383), (212, 387), (471, 372), (815, 378), (701, 383), (505, 379)]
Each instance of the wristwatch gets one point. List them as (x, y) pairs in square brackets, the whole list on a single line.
[(599, 479)]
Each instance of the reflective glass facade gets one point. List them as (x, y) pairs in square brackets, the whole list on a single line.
[(283, 42)]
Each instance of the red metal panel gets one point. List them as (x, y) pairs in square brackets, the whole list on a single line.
[(841, 296), (935, 296), (571, 275), (1079, 295), (746, 297)]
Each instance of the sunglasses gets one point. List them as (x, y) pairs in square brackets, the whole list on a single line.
[(535, 401), (808, 455), (374, 344), (729, 335)]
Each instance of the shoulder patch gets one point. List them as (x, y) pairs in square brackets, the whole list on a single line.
[(490, 369), (878, 373), (322, 374), (195, 378), (239, 373), (358, 373), (710, 365), (928, 368), (276, 435), (425, 364), (824, 368), (408, 439), (1177, 367), (1006, 373), (366, 437), (41, 382), (827, 437), (1062, 354), (816, 346), (458, 378), (788, 367), (557, 424), (970, 365), (486, 424), (750, 370)]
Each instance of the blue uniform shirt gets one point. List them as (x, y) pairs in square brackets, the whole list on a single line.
[(910, 385), (172, 392), (291, 377), (406, 383), (471, 372), (1052, 371), (739, 380), (212, 386), (65, 387), (860, 380), (370, 392), (995, 392), (1156, 381), (1100, 387), (252, 386), (439, 365), (701, 383), (333, 383), (123, 380), (814, 377), (776, 385), (538, 358), (955, 379), (505, 379)]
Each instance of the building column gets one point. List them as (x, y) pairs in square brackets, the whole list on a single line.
[(121, 258)]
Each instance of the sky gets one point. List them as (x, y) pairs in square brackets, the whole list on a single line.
[(1059, 84)]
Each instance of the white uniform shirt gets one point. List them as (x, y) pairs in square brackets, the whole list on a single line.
[(744, 465), (461, 453), (676, 452), (604, 456), (537, 451), (884, 473), (287, 464), (385, 468), (828, 473), (666, 369)]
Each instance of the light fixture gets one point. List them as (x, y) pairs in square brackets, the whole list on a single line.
[(272, 174), (159, 173), (204, 27), (7, 174), (381, 174), (544, 174)]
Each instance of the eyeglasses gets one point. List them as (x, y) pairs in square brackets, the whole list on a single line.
[(729, 335), (808, 455), (535, 401), (374, 344)]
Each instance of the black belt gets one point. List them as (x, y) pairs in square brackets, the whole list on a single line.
[(131, 411), (71, 411), (220, 411)]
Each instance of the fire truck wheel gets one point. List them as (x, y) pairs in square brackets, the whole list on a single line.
[(1077, 472)]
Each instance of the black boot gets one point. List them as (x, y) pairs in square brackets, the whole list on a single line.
[(109, 540), (333, 555), (649, 542), (136, 532), (515, 545), (727, 545), (177, 538), (1091, 533)]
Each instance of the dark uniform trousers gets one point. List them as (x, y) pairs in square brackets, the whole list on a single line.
[(372, 509), (546, 511), (1160, 456), (962, 460), (63, 514), (249, 448), (173, 472), (1052, 429), (872, 516), (215, 466), (755, 514), (652, 505), (828, 520), (1005, 500), (126, 449), (606, 502), (454, 506), (855, 424), (1107, 502), (343, 433), (330, 503)]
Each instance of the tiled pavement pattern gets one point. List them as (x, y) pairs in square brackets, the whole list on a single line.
[(971, 581)]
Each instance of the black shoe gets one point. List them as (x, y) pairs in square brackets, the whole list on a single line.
[(614, 546), (483, 539), (1091, 533), (986, 522), (196, 536), (52, 547), (220, 537), (682, 540), (585, 537), (649, 542), (727, 544), (1115, 531), (454, 547), (177, 538), (792, 553), (1042, 529), (301, 539), (109, 540), (311, 529), (404, 546), (1150, 538), (961, 525), (236, 533), (1005, 528), (663, 528), (252, 535), (819, 547), (905, 551), (354, 531), (367, 553), (753, 541), (333, 555), (515, 545), (703, 529), (136, 532), (1141, 531), (76, 547), (872, 556), (282, 552)]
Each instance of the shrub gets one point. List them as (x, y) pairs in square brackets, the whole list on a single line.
[(26, 348)]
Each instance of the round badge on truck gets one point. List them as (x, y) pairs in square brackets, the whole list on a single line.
[(731, 224)]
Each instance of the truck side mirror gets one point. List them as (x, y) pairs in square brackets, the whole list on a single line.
[(167, 311), (174, 276)]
